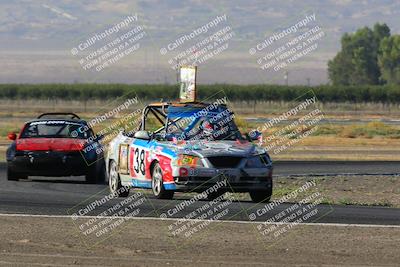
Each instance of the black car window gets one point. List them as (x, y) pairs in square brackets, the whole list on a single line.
[(55, 129)]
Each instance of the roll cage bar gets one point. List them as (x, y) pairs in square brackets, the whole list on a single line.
[(159, 112)]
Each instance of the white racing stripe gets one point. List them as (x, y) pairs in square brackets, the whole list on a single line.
[(216, 221)]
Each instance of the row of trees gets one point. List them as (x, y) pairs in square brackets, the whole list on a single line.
[(83, 92), (367, 57)]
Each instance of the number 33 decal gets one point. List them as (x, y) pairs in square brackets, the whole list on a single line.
[(139, 161)]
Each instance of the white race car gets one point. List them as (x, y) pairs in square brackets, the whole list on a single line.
[(196, 146)]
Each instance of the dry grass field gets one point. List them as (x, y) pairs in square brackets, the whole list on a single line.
[(372, 140)]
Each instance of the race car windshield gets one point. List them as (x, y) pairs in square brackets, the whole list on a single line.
[(54, 129), (213, 126)]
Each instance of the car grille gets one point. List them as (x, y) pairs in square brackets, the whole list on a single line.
[(225, 161)]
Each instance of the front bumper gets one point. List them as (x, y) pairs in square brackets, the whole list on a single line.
[(49, 163), (233, 180)]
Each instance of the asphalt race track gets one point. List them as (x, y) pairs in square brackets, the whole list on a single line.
[(56, 196)]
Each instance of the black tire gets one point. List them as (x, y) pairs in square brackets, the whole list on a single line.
[(91, 176), (215, 195), (114, 181), (102, 173), (261, 196), (157, 184), (15, 176)]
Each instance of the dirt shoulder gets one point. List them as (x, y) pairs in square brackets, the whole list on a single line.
[(56, 241), (365, 190), (370, 190)]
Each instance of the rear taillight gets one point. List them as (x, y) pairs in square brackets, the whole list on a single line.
[(79, 146), (17, 147)]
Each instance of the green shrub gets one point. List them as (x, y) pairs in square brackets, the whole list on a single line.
[(265, 92)]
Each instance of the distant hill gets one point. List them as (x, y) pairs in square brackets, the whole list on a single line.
[(36, 36)]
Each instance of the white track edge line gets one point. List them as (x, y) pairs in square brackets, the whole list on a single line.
[(216, 221)]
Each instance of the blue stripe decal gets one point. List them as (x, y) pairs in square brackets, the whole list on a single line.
[(169, 186), (147, 184), (168, 151), (141, 183), (152, 144), (142, 143)]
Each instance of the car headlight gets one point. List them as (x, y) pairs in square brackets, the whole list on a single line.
[(259, 161), (188, 161)]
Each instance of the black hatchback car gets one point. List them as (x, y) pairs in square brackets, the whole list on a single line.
[(55, 144)]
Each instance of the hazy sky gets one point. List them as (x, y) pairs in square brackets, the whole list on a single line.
[(142, 41)]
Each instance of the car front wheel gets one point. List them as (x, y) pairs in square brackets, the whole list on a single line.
[(214, 195), (262, 196), (157, 184)]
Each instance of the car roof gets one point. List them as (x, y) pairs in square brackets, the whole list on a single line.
[(58, 116)]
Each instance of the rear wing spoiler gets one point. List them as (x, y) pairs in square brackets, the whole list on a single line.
[(52, 114)]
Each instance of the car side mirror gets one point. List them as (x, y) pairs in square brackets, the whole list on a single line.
[(144, 135), (254, 135), (12, 136)]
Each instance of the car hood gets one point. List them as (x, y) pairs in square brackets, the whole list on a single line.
[(217, 148)]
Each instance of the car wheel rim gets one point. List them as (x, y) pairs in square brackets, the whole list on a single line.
[(113, 182), (157, 181)]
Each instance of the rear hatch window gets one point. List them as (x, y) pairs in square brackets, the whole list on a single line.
[(55, 129)]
